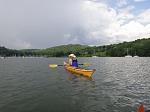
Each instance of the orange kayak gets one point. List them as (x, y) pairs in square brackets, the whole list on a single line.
[(79, 71), (141, 108)]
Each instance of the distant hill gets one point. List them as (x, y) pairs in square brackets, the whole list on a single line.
[(64, 50), (140, 47), (7, 52), (4, 52)]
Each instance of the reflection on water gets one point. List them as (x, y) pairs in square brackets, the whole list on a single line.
[(118, 85)]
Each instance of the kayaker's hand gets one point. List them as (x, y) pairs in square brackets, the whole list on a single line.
[(65, 63)]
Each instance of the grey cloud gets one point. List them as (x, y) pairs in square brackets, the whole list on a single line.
[(46, 23), (41, 23)]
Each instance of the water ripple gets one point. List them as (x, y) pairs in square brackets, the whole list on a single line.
[(118, 85)]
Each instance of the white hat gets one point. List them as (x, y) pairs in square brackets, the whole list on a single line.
[(72, 55)]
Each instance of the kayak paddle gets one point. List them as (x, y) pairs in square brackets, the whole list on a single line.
[(85, 64), (55, 65)]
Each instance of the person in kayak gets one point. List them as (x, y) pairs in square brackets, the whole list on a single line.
[(73, 60)]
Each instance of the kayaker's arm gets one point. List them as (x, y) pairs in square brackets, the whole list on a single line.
[(70, 61)]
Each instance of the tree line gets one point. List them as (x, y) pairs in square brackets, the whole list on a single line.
[(140, 47)]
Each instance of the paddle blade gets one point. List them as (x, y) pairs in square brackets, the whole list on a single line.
[(53, 65), (141, 108)]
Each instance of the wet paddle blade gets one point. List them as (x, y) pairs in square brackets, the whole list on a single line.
[(53, 65)]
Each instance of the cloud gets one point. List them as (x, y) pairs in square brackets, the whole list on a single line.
[(105, 25), (144, 17), (42, 24), (97, 18), (121, 3), (38, 23)]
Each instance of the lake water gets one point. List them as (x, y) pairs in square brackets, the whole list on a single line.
[(118, 85)]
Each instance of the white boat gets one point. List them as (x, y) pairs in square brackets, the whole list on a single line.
[(136, 56), (2, 57), (94, 56), (128, 56)]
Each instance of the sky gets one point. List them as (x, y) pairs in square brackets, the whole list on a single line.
[(26, 24)]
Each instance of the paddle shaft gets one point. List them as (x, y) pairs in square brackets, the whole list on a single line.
[(55, 65), (78, 64)]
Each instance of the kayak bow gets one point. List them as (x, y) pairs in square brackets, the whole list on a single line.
[(141, 108)]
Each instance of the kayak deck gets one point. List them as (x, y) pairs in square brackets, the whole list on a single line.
[(79, 71)]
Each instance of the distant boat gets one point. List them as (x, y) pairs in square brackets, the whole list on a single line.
[(94, 56), (2, 57), (136, 56), (128, 56)]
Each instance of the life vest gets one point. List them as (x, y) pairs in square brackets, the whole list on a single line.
[(75, 63)]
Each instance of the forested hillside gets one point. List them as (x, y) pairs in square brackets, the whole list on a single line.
[(140, 47)]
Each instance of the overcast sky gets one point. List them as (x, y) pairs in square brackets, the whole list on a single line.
[(45, 23)]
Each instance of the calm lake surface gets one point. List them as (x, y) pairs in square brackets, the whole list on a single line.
[(118, 85)]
